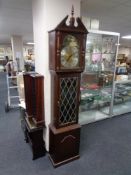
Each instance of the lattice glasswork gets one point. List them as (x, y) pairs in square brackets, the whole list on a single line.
[(68, 100)]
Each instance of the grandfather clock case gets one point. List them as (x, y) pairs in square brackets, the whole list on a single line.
[(34, 97), (67, 44), (33, 115)]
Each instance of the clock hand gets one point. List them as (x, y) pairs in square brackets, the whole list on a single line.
[(69, 57)]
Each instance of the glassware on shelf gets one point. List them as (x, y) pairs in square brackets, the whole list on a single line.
[(122, 97), (109, 45)]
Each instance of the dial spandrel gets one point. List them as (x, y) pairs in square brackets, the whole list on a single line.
[(70, 52)]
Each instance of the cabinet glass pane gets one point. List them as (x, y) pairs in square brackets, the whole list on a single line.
[(122, 86), (122, 97), (97, 79)]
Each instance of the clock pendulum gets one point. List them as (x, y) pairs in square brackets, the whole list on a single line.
[(67, 44)]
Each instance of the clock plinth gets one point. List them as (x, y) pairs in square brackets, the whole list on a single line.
[(64, 144), (67, 45)]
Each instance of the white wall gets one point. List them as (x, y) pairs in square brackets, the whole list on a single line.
[(46, 15)]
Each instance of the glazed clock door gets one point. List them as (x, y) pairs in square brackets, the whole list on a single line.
[(68, 99), (70, 52)]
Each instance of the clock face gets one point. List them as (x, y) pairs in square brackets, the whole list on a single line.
[(70, 52)]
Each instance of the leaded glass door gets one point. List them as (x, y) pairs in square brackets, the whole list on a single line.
[(68, 99)]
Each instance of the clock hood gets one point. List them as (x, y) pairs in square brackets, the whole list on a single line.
[(80, 28)]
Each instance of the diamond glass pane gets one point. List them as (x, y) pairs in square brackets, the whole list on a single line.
[(68, 100)]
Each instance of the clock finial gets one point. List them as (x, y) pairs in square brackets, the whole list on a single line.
[(72, 11), (72, 19)]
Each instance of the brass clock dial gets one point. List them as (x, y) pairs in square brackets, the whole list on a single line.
[(70, 52)]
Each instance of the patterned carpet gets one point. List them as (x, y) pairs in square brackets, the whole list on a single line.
[(105, 147)]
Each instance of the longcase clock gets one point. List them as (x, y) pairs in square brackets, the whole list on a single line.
[(67, 44)]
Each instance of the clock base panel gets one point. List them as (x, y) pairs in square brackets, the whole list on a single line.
[(57, 164), (64, 144)]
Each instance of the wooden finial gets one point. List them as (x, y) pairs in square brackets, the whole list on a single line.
[(72, 11), (72, 19)]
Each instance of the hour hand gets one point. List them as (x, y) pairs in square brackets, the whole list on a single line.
[(68, 58)]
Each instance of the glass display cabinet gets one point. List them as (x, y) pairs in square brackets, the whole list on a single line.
[(97, 79)]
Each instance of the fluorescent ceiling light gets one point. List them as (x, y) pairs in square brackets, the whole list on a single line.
[(117, 44), (126, 37), (30, 43)]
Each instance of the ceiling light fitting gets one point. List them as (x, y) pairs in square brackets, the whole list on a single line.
[(117, 44), (126, 37), (30, 43)]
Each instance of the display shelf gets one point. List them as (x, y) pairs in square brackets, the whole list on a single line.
[(122, 81), (100, 53)]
